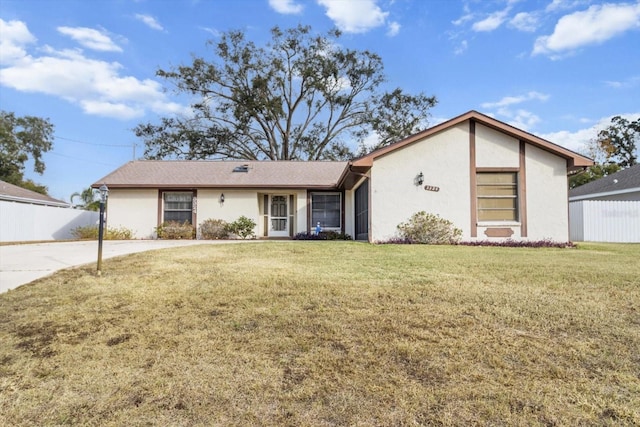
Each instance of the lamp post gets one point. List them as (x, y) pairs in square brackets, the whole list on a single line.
[(104, 193)]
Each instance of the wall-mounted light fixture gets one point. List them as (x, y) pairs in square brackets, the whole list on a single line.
[(419, 179), (222, 198)]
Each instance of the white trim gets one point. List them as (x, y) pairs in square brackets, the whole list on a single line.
[(283, 233), (603, 194)]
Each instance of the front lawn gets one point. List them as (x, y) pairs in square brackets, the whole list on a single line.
[(328, 334)]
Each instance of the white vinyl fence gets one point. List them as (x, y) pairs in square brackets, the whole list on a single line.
[(604, 221), (21, 222)]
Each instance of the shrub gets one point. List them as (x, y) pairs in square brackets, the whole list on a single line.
[(120, 233), (214, 229), (175, 230), (323, 235), (91, 232), (430, 229), (242, 227)]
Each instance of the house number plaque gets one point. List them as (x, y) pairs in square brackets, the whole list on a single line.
[(431, 188)]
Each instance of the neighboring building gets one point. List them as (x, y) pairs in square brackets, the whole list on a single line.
[(622, 185), (29, 216), (13, 193), (490, 179), (608, 209)]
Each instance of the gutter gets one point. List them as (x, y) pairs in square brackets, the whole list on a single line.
[(603, 194)]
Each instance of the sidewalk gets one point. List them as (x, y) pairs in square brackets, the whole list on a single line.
[(24, 263)]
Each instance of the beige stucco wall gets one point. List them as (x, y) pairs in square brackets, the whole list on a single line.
[(444, 161), (248, 203), (236, 203), (349, 215), (495, 149), (547, 196), (136, 210)]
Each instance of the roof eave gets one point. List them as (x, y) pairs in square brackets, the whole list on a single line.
[(34, 201), (604, 194)]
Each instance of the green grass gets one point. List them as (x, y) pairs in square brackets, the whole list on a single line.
[(328, 334)]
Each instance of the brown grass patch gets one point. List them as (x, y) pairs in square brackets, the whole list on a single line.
[(328, 333)]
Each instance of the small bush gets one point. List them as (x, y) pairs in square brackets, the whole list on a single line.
[(242, 227), (214, 229), (175, 230), (429, 229), (91, 232), (323, 235), (86, 232), (120, 233)]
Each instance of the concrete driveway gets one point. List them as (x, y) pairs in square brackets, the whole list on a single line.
[(21, 264)]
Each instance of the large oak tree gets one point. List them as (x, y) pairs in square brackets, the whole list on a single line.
[(300, 97)]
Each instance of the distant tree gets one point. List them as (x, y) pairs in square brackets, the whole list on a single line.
[(615, 148), (87, 199), (301, 97), (592, 173), (619, 141), (22, 138)]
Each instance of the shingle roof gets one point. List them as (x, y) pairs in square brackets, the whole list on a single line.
[(18, 194), (216, 174), (621, 181)]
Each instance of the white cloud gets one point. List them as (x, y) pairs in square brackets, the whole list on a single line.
[(211, 31), (512, 100), (90, 38), (149, 21), (354, 16), (287, 7), (578, 140), (525, 21), (97, 86), (15, 36), (523, 119), (394, 29), (595, 25), (624, 84), (462, 47), (519, 118), (491, 22), (556, 5), (468, 16)]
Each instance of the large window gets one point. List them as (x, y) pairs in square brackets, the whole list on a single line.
[(326, 209), (178, 206), (497, 196)]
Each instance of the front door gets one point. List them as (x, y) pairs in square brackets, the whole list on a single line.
[(278, 216)]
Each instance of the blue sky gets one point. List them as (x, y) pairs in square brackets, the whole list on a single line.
[(557, 68)]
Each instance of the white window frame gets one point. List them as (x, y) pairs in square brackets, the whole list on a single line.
[(164, 204), (515, 197)]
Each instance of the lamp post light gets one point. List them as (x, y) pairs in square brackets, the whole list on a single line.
[(104, 193)]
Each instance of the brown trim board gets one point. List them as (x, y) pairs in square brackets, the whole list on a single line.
[(472, 178), (522, 185)]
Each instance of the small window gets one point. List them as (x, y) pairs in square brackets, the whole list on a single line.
[(497, 196), (178, 206), (326, 209)]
